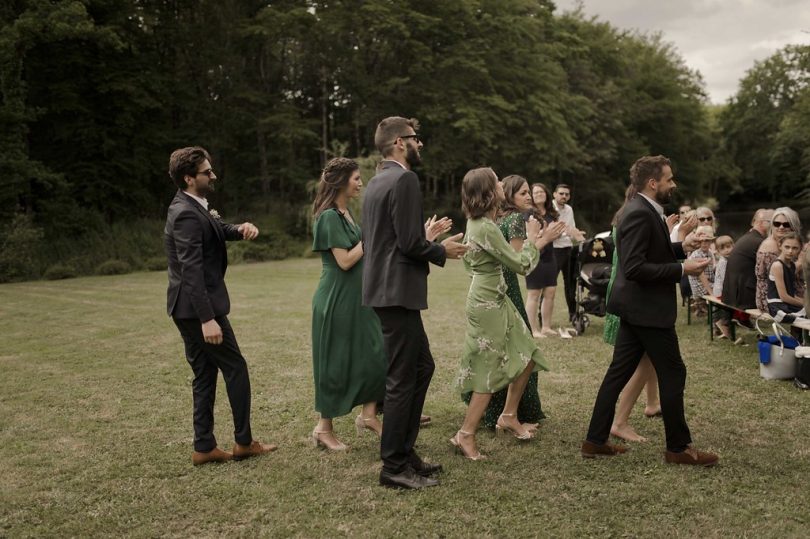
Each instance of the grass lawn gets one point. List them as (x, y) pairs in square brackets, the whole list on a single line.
[(95, 431)]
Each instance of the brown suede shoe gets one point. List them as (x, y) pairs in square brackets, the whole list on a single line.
[(591, 450), (691, 456), (215, 455), (256, 448)]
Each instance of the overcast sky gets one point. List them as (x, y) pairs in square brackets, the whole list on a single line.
[(719, 38)]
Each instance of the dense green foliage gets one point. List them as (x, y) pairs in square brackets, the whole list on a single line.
[(767, 126), (94, 95)]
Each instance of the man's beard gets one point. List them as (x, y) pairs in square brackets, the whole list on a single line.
[(412, 157), (663, 197), (206, 190)]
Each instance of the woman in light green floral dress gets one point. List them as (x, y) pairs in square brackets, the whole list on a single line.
[(499, 350), (517, 202)]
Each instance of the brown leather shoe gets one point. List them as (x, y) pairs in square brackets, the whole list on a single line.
[(591, 450), (691, 456), (256, 448), (215, 455)]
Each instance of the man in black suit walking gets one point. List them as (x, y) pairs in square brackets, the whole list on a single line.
[(643, 298), (395, 272), (198, 303)]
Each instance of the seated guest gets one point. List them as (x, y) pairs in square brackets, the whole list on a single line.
[(701, 284), (740, 283), (723, 246), (784, 221), (784, 303)]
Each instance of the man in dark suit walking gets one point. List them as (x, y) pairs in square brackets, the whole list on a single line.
[(395, 272), (643, 298), (198, 303)]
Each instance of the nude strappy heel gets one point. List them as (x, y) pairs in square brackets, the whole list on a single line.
[(316, 441), (361, 423), (459, 449), (502, 428)]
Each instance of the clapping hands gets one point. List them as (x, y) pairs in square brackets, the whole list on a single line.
[(436, 227)]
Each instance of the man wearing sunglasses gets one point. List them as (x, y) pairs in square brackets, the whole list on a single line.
[(198, 303), (397, 255)]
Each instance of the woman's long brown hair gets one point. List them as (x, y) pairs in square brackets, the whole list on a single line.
[(334, 178)]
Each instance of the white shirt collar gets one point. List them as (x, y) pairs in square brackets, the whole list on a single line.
[(658, 207), (203, 202), (397, 162)]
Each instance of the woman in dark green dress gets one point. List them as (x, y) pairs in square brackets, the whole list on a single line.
[(517, 201), (348, 358)]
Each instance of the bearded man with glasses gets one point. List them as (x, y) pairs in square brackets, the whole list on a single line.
[(397, 254), (198, 302)]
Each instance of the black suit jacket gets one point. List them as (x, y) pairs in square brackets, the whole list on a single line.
[(643, 293), (740, 284), (198, 259), (396, 251)]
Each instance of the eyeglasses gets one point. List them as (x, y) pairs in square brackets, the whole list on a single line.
[(415, 138), (782, 224), (705, 219), (209, 172)]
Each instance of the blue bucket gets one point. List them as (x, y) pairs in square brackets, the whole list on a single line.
[(764, 352)]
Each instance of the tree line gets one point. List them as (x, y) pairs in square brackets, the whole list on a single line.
[(94, 95)]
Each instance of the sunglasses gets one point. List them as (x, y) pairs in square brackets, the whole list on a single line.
[(781, 224), (705, 219)]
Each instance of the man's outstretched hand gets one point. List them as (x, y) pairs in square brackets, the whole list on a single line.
[(694, 266), (248, 231), (453, 248)]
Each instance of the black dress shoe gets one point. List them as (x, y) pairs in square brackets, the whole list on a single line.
[(425, 469), (406, 479)]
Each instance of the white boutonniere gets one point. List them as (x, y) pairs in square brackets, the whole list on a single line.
[(215, 214)]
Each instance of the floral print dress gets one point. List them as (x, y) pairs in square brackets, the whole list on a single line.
[(762, 268), (498, 344)]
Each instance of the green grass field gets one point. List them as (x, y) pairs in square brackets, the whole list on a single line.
[(95, 431)]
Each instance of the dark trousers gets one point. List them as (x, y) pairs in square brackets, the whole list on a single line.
[(410, 368), (567, 266), (662, 347), (206, 360)]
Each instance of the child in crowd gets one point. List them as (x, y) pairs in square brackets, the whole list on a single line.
[(702, 284), (723, 246), (784, 303)]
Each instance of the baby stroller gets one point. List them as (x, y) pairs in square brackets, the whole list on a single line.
[(594, 260)]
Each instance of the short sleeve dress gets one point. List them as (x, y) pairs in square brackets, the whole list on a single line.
[(498, 344), (348, 358)]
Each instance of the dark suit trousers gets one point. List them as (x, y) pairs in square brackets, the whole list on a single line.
[(206, 360), (662, 347), (410, 368), (567, 265)]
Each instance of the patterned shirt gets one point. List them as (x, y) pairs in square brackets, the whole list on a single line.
[(708, 271)]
